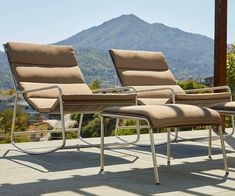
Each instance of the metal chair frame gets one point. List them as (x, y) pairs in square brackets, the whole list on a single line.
[(156, 175)]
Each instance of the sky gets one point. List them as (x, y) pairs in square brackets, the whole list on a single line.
[(49, 21)]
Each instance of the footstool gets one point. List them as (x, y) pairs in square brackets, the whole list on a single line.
[(226, 108), (164, 116)]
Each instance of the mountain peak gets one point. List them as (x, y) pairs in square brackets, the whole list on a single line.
[(126, 18)]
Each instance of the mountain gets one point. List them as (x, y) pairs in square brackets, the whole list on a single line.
[(5, 76), (189, 55)]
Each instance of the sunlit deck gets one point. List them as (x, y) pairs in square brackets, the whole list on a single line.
[(128, 170)]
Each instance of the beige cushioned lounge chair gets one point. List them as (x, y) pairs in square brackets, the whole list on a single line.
[(51, 81), (149, 70)]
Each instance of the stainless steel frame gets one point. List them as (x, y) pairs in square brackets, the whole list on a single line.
[(138, 127), (231, 113), (61, 115), (63, 130), (156, 175)]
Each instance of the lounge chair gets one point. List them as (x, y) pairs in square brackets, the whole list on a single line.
[(149, 71), (51, 81), (164, 116)]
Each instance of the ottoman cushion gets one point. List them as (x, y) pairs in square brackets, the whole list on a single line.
[(169, 115)]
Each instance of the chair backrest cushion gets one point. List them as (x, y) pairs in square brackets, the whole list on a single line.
[(38, 64), (44, 63), (139, 68)]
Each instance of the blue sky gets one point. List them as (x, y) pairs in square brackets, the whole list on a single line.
[(48, 21)]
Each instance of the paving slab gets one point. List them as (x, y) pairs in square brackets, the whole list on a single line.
[(128, 170)]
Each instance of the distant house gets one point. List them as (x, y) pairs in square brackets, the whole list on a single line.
[(23, 105), (209, 81), (5, 100)]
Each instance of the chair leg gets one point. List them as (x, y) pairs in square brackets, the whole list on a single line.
[(223, 150), (102, 144), (34, 152), (168, 145), (154, 157), (80, 125), (116, 127), (233, 126), (210, 143)]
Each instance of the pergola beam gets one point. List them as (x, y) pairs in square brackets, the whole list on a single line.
[(220, 42)]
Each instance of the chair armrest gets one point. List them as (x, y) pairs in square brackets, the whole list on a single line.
[(117, 89), (40, 89), (160, 89), (227, 88), (45, 88)]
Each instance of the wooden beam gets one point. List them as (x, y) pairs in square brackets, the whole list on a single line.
[(220, 42)]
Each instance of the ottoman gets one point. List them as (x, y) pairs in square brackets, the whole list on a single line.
[(164, 116)]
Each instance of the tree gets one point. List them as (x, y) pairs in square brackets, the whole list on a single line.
[(6, 120), (231, 67), (190, 85), (95, 85)]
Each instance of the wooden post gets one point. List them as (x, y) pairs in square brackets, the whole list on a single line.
[(220, 42), (220, 45)]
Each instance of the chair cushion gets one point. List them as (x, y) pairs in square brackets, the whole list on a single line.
[(153, 91), (100, 97), (169, 115), (153, 101), (141, 68), (204, 96), (38, 54), (146, 77), (203, 100), (140, 60), (224, 106), (67, 89)]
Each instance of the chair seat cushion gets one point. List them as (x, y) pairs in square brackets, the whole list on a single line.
[(85, 103), (203, 100), (153, 101), (224, 106), (204, 96), (100, 97), (169, 115)]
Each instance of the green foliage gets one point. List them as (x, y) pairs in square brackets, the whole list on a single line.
[(7, 92), (95, 85), (231, 67), (6, 121), (190, 85)]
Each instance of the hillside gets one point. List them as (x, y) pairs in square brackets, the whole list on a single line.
[(189, 55), (5, 77)]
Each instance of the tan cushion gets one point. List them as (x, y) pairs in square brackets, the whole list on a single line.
[(153, 91), (205, 100), (100, 97), (226, 106), (146, 77), (169, 115), (38, 54), (153, 101), (204, 96), (45, 74), (44, 105), (141, 60), (136, 68), (93, 104), (67, 89)]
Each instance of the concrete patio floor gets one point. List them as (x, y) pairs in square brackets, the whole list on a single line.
[(128, 170)]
